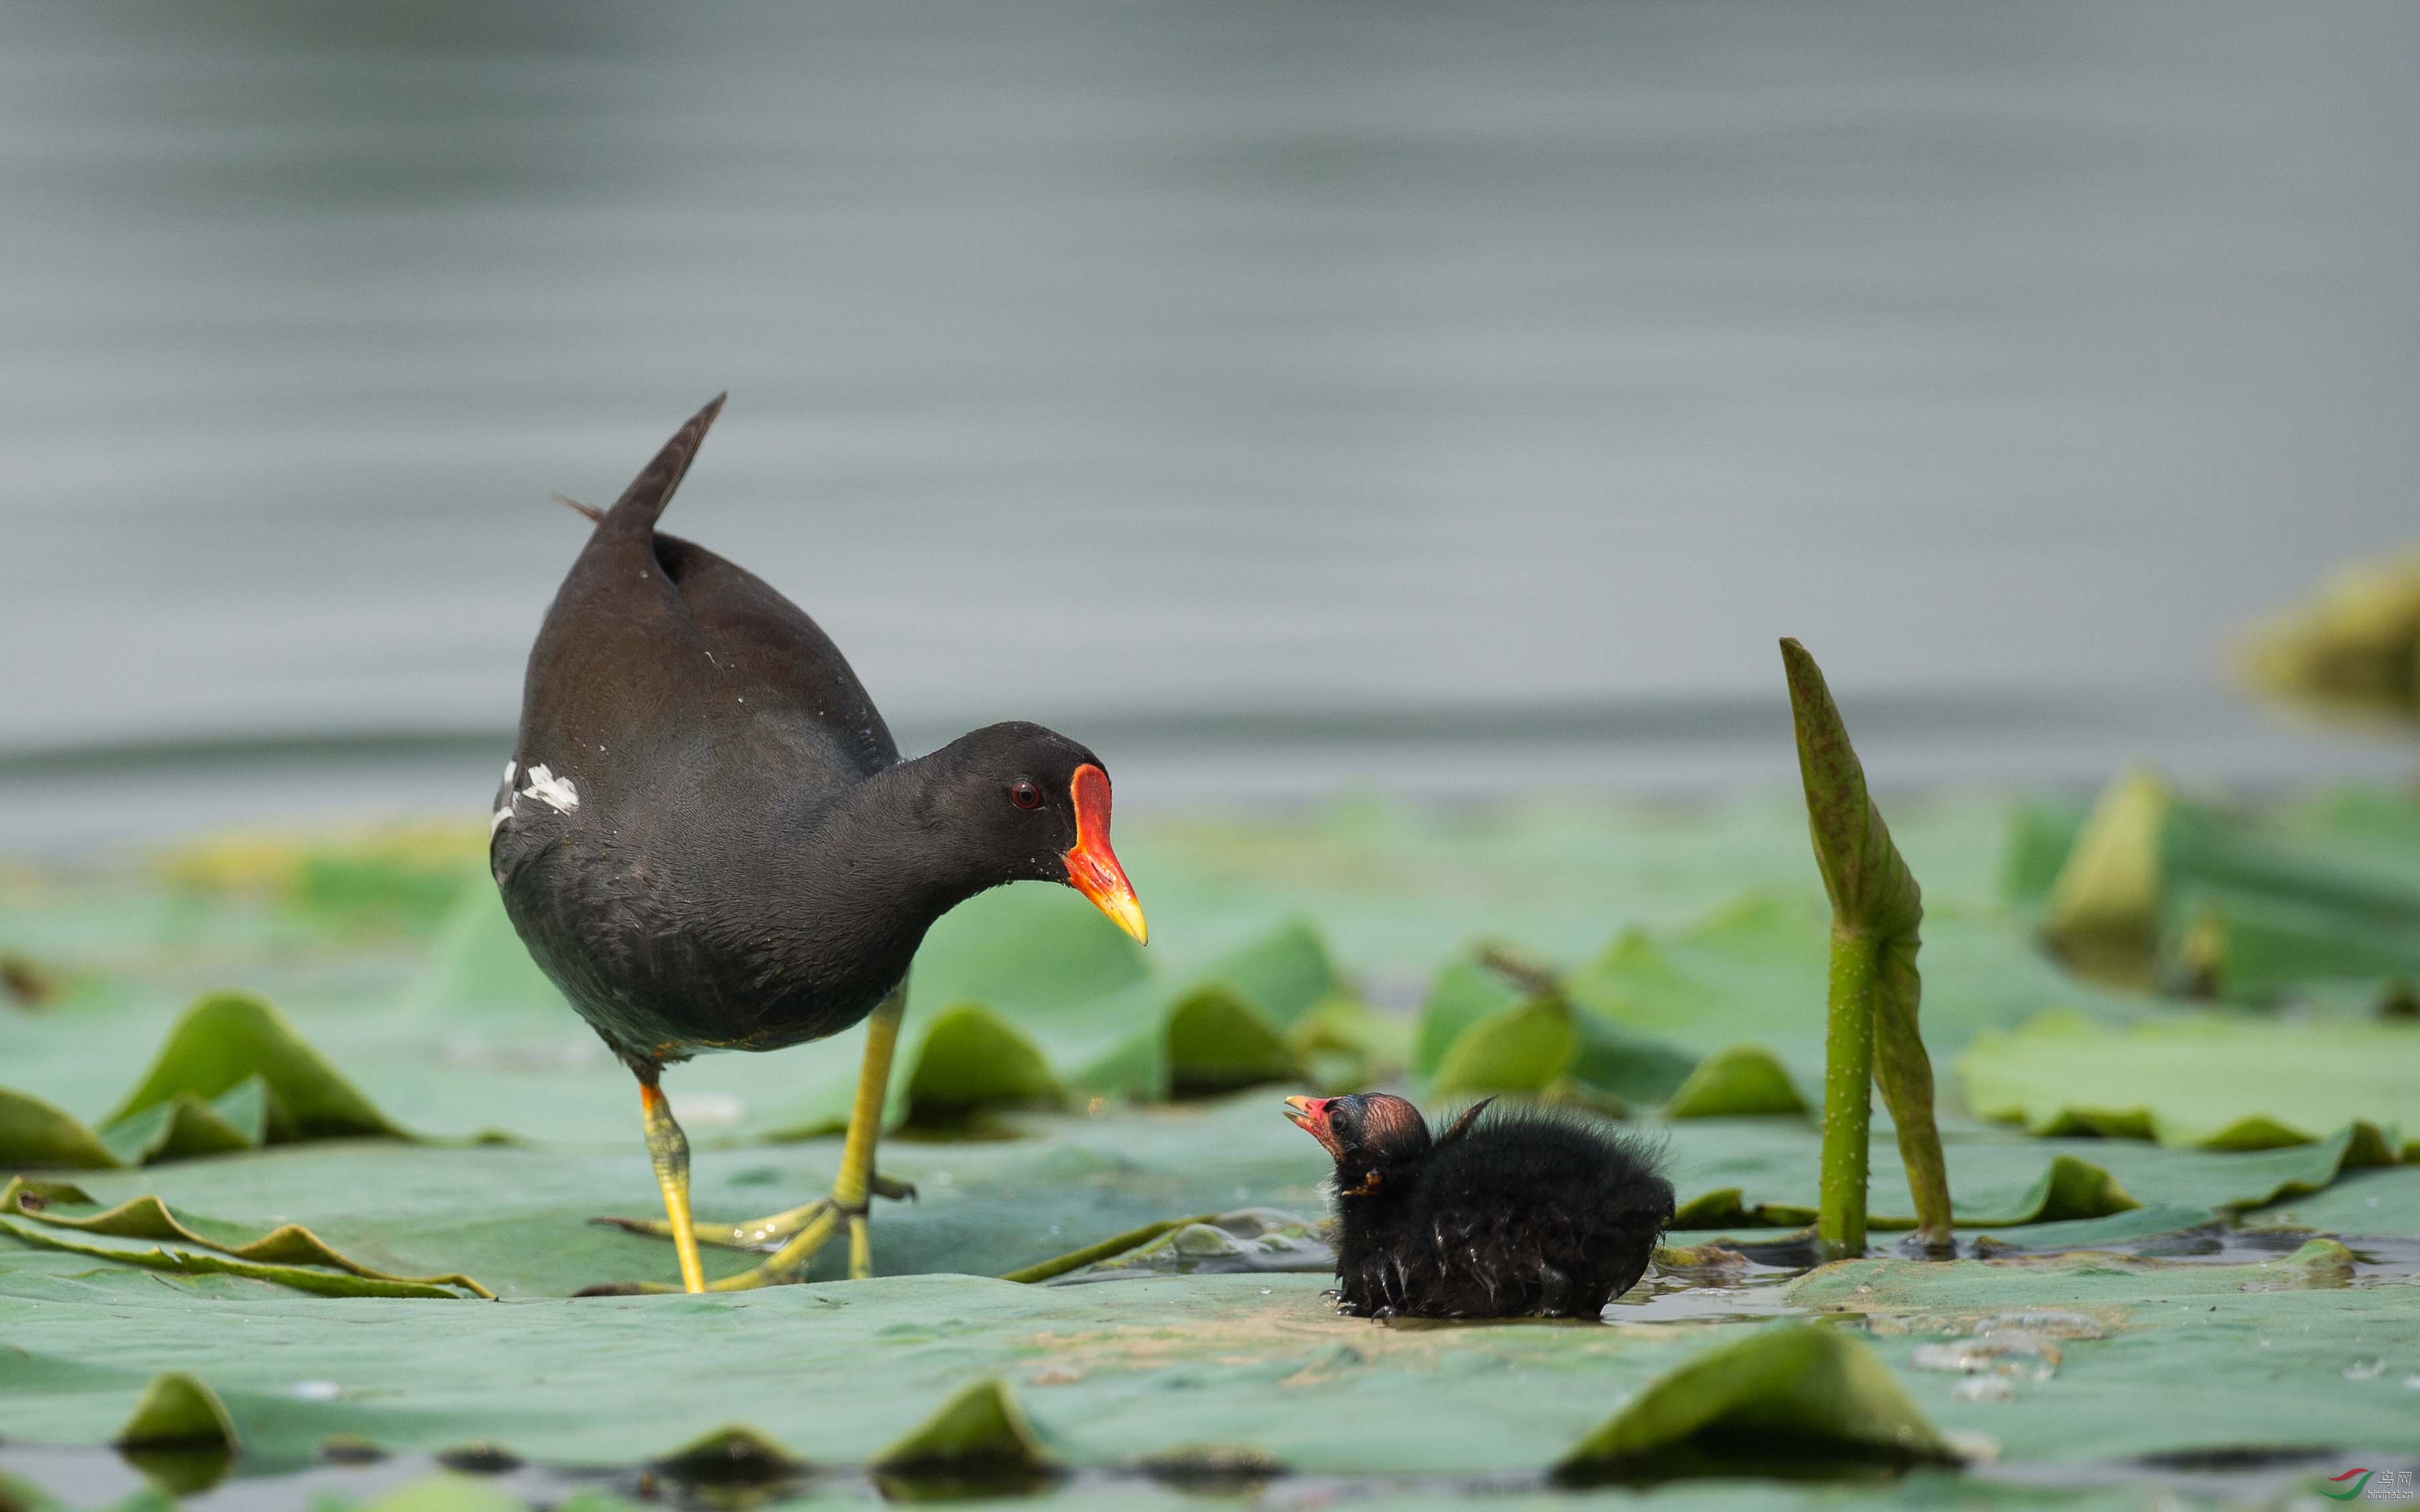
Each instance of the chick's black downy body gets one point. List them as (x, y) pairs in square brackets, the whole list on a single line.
[(1512, 1211)]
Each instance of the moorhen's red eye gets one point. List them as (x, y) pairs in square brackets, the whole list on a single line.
[(1025, 796)]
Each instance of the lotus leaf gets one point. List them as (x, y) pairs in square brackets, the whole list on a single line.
[(2209, 1081)]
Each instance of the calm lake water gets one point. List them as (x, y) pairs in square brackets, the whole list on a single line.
[(1277, 396)]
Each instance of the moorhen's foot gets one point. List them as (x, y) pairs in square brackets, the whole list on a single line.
[(763, 1235)]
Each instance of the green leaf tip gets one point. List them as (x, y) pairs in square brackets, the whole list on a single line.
[(1522, 1048), (733, 1453), (2074, 1189), (179, 1411), (232, 1075), (1742, 1081), (973, 1059), (979, 1434), (2102, 914), (1791, 1392), (228, 1037), (1219, 1042), (1869, 886), (33, 1132)]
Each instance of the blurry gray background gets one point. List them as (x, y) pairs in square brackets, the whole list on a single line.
[(1458, 398)]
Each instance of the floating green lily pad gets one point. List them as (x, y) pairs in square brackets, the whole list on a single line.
[(2207, 1081)]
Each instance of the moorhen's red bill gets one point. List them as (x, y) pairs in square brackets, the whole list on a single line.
[(1512, 1211), (708, 841)]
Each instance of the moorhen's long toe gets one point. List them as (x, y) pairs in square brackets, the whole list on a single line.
[(708, 841)]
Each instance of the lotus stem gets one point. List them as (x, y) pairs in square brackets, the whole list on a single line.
[(1848, 1097), (1871, 1034)]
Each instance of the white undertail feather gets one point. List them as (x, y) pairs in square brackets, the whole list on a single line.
[(557, 792), (504, 811)]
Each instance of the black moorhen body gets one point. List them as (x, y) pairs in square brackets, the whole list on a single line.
[(707, 838), (1510, 1212)]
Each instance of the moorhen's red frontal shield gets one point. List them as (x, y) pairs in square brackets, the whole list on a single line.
[(1092, 868)]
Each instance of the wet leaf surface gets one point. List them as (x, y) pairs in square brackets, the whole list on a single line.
[(1040, 1051)]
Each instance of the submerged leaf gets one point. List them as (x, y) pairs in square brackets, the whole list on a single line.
[(1789, 1390)]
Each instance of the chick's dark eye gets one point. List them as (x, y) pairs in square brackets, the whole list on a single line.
[(1024, 795)]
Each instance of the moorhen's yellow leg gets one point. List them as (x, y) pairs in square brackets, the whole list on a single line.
[(670, 1148), (803, 1231), (854, 1183)]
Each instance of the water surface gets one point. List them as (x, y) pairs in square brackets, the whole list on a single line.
[(1272, 394)]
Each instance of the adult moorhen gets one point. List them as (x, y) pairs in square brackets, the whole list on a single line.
[(708, 841), (1522, 1210)]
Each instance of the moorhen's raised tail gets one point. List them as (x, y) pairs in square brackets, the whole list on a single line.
[(707, 840), (1511, 1211)]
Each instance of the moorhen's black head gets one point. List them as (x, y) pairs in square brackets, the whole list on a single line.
[(1377, 1139), (1025, 803)]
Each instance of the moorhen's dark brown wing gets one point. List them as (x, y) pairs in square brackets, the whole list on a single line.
[(655, 645)]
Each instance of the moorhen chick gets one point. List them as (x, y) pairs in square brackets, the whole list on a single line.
[(1521, 1211), (708, 841)]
